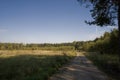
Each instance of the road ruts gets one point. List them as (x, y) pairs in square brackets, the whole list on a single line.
[(79, 68)]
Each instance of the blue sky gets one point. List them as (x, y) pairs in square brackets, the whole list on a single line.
[(45, 21)]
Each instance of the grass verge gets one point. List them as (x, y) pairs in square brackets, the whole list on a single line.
[(107, 63), (31, 66)]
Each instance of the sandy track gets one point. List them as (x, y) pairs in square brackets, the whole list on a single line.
[(79, 68)]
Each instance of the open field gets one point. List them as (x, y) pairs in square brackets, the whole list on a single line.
[(31, 64)]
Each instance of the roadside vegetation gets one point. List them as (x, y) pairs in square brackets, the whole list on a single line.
[(37, 65), (107, 63)]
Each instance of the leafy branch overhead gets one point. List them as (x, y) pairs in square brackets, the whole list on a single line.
[(103, 12)]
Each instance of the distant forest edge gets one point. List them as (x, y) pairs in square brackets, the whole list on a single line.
[(45, 46), (108, 43)]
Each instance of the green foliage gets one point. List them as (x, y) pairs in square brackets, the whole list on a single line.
[(103, 12), (46, 46), (31, 67), (108, 43), (78, 45), (109, 63)]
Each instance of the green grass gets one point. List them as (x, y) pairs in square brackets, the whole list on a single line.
[(31, 66), (108, 63)]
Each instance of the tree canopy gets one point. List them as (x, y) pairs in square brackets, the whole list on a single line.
[(103, 12)]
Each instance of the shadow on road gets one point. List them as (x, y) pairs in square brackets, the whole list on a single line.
[(79, 69)]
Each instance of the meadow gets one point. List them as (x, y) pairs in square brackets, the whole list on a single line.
[(31, 64)]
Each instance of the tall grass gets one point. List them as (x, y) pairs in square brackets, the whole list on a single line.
[(31, 66), (108, 63)]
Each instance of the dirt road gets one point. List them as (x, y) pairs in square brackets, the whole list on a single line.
[(79, 69)]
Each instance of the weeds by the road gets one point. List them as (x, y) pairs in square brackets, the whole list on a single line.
[(106, 62), (31, 66)]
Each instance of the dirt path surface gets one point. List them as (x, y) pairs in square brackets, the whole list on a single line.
[(79, 69)]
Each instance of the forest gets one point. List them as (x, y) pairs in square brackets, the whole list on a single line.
[(44, 46), (106, 44)]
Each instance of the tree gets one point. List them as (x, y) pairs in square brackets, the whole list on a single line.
[(104, 12)]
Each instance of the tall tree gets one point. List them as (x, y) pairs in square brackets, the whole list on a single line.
[(104, 12)]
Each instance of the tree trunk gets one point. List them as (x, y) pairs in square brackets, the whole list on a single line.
[(119, 26)]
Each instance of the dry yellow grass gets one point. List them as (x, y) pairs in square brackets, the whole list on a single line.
[(10, 53)]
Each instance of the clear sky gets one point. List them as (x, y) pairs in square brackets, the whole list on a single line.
[(45, 21)]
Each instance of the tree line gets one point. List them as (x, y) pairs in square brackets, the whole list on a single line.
[(108, 43), (33, 46)]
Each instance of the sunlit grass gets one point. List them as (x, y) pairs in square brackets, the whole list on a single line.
[(27, 65)]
